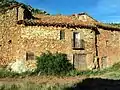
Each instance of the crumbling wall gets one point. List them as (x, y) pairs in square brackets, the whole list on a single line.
[(108, 47), (9, 36)]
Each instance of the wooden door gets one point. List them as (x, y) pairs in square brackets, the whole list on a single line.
[(80, 61)]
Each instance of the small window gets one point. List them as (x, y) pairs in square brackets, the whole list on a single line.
[(10, 41), (62, 35), (30, 56), (17, 13)]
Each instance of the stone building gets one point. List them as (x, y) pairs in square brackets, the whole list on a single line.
[(88, 43)]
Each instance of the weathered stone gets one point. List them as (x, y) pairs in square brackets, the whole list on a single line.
[(21, 66), (18, 66), (16, 40)]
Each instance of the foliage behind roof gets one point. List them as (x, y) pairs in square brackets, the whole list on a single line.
[(9, 4)]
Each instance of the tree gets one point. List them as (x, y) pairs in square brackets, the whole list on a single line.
[(6, 3)]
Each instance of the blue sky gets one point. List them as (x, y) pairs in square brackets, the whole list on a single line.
[(102, 10)]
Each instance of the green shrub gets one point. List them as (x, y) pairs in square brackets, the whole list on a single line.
[(5, 73), (54, 64)]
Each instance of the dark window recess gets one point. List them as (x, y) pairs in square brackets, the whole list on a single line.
[(27, 14), (30, 56), (62, 35), (79, 61), (77, 42), (17, 13), (10, 41)]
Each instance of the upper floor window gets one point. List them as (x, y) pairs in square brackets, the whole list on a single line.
[(78, 42), (62, 35)]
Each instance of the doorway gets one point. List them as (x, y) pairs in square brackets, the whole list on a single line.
[(80, 61)]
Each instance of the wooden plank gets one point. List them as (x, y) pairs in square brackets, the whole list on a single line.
[(80, 61)]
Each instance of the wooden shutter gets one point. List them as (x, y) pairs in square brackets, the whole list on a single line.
[(30, 56)]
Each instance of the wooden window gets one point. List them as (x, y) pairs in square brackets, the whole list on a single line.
[(62, 34), (30, 56), (79, 61), (78, 42)]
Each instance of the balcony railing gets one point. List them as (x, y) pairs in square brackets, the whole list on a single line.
[(78, 44)]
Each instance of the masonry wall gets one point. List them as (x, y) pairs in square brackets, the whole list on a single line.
[(41, 39), (17, 40), (9, 36), (108, 47)]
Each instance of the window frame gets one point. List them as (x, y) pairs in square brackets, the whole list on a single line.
[(80, 42)]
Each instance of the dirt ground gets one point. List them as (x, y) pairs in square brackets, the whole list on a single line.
[(43, 80)]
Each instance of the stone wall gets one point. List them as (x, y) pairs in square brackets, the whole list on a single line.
[(108, 47), (17, 40), (41, 39), (9, 36)]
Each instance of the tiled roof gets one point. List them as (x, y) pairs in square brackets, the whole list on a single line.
[(65, 21), (59, 20)]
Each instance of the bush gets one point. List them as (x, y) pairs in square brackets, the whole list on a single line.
[(54, 64)]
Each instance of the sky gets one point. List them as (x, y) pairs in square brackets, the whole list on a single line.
[(102, 10)]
